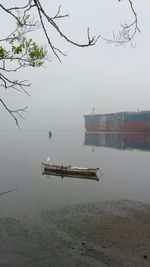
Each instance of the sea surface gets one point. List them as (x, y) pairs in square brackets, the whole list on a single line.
[(124, 161)]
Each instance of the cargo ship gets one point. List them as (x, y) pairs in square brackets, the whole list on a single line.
[(123, 141), (118, 122)]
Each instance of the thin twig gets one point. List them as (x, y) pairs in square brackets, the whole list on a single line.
[(128, 31), (6, 192)]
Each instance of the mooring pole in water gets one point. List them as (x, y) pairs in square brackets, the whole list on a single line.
[(50, 134)]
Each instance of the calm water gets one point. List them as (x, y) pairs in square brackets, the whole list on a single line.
[(125, 162)]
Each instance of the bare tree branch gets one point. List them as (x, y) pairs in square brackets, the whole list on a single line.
[(18, 52), (58, 16), (128, 31), (13, 113)]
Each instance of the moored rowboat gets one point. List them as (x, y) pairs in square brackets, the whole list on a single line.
[(69, 171)]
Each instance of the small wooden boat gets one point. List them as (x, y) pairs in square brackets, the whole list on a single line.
[(69, 171)]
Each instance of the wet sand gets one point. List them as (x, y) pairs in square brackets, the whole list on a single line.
[(110, 233)]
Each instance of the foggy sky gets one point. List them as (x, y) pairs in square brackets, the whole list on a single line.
[(107, 77)]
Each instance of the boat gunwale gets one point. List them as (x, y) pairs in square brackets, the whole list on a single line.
[(68, 168)]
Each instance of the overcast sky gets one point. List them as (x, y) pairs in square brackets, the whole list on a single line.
[(107, 77)]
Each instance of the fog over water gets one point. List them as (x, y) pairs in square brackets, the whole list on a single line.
[(126, 172), (104, 77)]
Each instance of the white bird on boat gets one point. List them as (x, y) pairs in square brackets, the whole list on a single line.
[(48, 160)]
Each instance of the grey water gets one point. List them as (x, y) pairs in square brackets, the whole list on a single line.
[(125, 168)]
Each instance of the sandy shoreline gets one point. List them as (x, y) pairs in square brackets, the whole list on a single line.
[(110, 233)]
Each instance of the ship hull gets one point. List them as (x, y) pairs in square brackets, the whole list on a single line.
[(118, 122)]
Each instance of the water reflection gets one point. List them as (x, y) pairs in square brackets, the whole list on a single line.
[(126, 175), (127, 141)]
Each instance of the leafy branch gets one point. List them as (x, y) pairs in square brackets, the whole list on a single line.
[(18, 50)]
